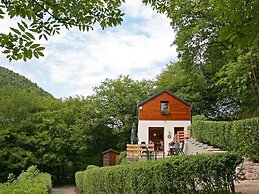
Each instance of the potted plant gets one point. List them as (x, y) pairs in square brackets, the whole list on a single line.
[(165, 112)]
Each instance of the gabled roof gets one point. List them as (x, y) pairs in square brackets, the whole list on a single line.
[(158, 94), (111, 150)]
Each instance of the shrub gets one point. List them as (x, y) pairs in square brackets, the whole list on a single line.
[(240, 136), (180, 174), (91, 167), (30, 182), (121, 159)]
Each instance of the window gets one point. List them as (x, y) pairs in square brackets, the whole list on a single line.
[(164, 107)]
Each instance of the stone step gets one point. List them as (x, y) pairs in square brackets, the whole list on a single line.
[(219, 151), (213, 149), (200, 144), (205, 146)]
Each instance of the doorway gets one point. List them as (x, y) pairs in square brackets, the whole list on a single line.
[(156, 136), (176, 130)]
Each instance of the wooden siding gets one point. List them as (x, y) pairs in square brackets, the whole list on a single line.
[(151, 109), (109, 157)]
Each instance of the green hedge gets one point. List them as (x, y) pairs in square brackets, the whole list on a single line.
[(180, 174), (240, 136), (29, 182)]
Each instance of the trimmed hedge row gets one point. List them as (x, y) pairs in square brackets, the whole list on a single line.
[(240, 136), (29, 182), (180, 174)]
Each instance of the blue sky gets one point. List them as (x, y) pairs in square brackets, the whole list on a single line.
[(76, 61)]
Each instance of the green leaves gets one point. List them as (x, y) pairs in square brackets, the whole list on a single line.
[(31, 181), (44, 19), (212, 38), (16, 31), (116, 100), (239, 136), (183, 174), (20, 45)]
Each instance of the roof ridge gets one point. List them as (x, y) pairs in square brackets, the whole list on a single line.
[(158, 94)]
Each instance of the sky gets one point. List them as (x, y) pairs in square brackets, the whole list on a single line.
[(75, 61)]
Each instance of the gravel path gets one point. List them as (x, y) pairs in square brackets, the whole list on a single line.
[(68, 189), (248, 187), (244, 187)]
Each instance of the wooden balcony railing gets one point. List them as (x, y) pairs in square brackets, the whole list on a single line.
[(182, 135), (139, 151)]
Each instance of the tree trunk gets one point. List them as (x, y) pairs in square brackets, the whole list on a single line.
[(255, 80)]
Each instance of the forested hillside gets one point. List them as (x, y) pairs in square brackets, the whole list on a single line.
[(9, 78), (64, 136)]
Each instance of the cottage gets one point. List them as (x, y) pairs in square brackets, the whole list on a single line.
[(160, 117)]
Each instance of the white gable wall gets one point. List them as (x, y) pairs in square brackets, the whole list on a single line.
[(143, 130)]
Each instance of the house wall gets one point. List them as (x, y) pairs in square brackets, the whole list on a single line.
[(143, 129), (151, 110)]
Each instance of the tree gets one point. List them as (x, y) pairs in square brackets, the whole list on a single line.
[(196, 88), (44, 18), (16, 81), (189, 85), (216, 36), (239, 78), (116, 101), (60, 137), (16, 106)]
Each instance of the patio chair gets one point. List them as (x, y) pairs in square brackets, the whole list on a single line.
[(170, 150), (176, 148), (181, 149)]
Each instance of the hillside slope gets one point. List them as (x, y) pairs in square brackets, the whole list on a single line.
[(9, 78)]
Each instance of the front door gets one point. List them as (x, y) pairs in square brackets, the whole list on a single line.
[(176, 130), (156, 136)]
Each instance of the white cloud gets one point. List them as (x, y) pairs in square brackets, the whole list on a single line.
[(134, 8), (77, 61)]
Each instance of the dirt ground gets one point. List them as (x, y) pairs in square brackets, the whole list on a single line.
[(248, 187), (68, 189), (244, 187)]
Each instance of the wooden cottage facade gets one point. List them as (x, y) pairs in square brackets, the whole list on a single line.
[(160, 117)]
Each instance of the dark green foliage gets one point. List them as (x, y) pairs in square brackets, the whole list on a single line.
[(116, 101), (31, 181), (194, 86), (121, 158), (11, 79), (182, 174), (63, 136), (60, 137), (217, 45), (241, 136)]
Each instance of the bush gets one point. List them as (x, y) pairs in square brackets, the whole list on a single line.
[(121, 159), (240, 136), (29, 182), (91, 167), (180, 174)]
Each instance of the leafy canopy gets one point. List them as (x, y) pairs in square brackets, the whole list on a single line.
[(220, 39), (43, 18)]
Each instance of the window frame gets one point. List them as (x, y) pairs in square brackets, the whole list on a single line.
[(164, 107)]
